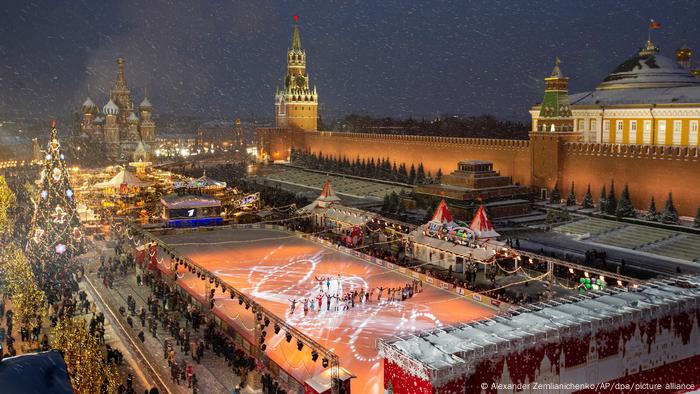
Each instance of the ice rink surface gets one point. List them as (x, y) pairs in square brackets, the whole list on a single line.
[(275, 267)]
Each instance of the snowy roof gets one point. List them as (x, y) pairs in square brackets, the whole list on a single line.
[(189, 201), (88, 105), (124, 177), (648, 71), (484, 252), (351, 216), (133, 118), (484, 338), (669, 95), (110, 108), (43, 372), (145, 104), (324, 200), (205, 182), (323, 382)]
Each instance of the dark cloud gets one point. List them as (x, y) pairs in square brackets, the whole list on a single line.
[(223, 59)]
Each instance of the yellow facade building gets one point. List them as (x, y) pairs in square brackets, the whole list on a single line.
[(649, 99)]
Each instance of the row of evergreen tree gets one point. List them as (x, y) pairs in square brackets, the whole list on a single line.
[(380, 168), (608, 203)]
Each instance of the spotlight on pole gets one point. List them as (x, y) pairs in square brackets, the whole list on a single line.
[(314, 356), (263, 347), (223, 289), (262, 340), (277, 328), (264, 334), (267, 321), (300, 344), (288, 337), (233, 295), (247, 305), (240, 300), (324, 362), (259, 316)]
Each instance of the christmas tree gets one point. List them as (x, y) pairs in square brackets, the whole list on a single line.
[(555, 197), (56, 234), (588, 198), (625, 209), (571, 198), (611, 201), (669, 215), (601, 200), (651, 214)]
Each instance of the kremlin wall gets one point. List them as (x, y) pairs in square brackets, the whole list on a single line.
[(570, 141)]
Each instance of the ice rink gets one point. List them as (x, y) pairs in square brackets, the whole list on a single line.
[(274, 267)]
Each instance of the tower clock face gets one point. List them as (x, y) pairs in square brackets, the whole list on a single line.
[(300, 80)]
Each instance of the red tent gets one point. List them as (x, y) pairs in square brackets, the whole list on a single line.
[(442, 214), (481, 225)]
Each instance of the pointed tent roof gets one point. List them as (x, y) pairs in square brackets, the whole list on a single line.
[(296, 39), (123, 177), (556, 71), (481, 225), (325, 199), (442, 214)]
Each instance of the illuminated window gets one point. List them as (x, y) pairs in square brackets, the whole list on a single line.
[(618, 132), (693, 134), (632, 139), (594, 124), (581, 124), (646, 133), (606, 131), (677, 129), (661, 133)]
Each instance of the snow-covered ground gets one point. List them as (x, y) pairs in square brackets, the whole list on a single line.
[(275, 267)]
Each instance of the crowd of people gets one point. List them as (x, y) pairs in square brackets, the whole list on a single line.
[(191, 332)]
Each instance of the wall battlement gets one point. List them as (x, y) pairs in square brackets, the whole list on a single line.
[(482, 142), (633, 151)]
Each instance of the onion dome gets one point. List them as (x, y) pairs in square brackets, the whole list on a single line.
[(648, 69), (99, 120), (88, 106), (145, 105), (133, 119), (110, 108)]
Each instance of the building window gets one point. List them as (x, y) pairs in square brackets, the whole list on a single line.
[(693, 134), (677, 129), (646, 134), (606, 131), (661, 133), (581, 125), (632, 139), (618, 132), (593, 125)]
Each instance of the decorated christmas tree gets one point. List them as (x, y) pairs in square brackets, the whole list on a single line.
[(56, 234)]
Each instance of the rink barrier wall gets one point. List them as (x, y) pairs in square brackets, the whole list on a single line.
[(468, 294)]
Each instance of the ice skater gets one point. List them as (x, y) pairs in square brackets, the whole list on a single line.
[(319, 298), (306, 306), (328, 284), (328, 301), (294, 304)]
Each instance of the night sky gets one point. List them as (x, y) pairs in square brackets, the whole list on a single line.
[(223, 59)]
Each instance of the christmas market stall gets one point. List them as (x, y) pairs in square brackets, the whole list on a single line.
[(447, 243)]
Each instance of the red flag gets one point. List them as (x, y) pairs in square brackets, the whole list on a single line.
[(654, 25)]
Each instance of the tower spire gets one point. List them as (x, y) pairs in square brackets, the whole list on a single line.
[(120, 84), (296, 39)]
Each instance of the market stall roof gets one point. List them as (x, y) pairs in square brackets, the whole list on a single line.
[(436, 349), (204, 182), (43, 372), (177, 201), (481, 225), (324, 200), (442, 214), (351, 216), (124, 177), (484, 251), (323, 381)]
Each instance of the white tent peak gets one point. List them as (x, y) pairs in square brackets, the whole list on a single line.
[(481, 225)]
